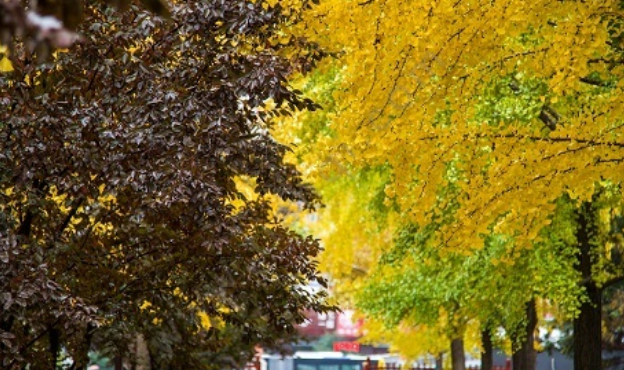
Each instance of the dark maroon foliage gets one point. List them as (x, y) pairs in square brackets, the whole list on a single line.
[(117, 168)]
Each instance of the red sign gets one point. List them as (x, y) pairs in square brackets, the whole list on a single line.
[(347, 346)]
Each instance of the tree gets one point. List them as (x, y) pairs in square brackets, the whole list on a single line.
[(122, 220), (495, 285), (598, 230), (421, 285), (414, 98), (405, 297), (399, 82), (357, 226)]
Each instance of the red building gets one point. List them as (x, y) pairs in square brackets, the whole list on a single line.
[(340, 324)]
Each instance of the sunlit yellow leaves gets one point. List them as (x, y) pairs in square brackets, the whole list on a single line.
[(410, 342), (285, 212), (398, 79), (145, 305), (204, 320), (512, 102), (5, 63)]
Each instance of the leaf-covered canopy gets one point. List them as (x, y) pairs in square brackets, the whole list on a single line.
[(414, 98), (120, 210)]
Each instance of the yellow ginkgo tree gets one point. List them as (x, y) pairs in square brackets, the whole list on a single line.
[(400, 81), (524, 99)]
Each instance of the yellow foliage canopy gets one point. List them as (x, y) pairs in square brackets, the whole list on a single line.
[(415, 76)]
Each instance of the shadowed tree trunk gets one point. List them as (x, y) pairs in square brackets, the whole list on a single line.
[(524, 356), (587, 326), (487, 360), (458, 357), (440, 361), (142, 354), (118, 363), (55, 346)]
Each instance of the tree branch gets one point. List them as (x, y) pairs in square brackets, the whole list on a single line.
[(594, 82), (77, 203), (613, 281), (548, 115)]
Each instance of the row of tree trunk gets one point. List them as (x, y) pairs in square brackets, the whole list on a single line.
[(587, 326), (524, 354)]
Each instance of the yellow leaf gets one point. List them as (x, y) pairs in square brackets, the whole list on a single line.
[(5, 65)]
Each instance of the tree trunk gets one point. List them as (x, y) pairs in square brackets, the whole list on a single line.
[(118, 363), (458, 356), (587, 326), (142, 353), (55, 346), (487, 355), (524, 357), (81, 356), (440, 361)]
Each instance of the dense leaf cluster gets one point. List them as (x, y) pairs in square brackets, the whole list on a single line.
[(120, 209)]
